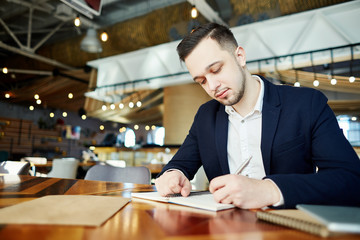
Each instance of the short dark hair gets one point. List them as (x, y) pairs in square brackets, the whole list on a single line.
[(221, 34)]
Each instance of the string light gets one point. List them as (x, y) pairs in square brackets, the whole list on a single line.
[(52, 115), (136, 127), (112, 106), (31, 108), (131, 104), (102, 127), (83, 117), (351, 79), (103, 107), (316, 83), (333, 81), (121, 105), (70, 95), (64, 114), (297, 84), (36, 96), (104, 36), (147, 128), (5, 70), (38, 101), (194, 12), (77, 21), (7, 95)]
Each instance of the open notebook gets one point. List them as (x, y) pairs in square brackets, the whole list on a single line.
[(203, 200)]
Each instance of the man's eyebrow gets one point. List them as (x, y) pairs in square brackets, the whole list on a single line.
[(207, 68)]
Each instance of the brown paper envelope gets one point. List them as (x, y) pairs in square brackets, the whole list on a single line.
[(63, 210)]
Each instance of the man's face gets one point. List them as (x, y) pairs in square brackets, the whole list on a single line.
[(218, 71)]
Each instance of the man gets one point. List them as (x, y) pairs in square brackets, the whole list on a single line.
[(260, 144)]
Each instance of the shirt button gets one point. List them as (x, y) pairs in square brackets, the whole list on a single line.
[(242, 121)]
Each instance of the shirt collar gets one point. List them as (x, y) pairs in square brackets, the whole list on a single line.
[(259, 103)]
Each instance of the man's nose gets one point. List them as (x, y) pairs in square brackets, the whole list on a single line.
[(213, 83)]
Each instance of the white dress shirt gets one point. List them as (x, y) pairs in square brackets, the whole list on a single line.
[(244, 139)]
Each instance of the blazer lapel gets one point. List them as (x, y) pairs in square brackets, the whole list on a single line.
[(270, 118), (221, 136)]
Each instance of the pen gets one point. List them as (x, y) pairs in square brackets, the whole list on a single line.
[(242, 166)]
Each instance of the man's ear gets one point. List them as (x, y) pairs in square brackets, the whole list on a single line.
[(240, 56)]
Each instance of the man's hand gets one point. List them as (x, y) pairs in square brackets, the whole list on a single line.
[(244, 192), (173, 182)]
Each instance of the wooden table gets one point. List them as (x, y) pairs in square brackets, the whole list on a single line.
[(138, 219)]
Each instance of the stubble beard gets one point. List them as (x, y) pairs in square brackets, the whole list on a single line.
[(237, 96)]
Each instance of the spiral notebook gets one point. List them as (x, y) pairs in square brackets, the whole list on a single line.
[(201, 199), (316, 219)]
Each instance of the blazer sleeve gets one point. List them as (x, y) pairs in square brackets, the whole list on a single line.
[(337, 178)]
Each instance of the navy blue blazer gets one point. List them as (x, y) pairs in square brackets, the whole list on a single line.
[(299, 134)]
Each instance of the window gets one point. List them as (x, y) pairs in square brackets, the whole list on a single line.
[(351, 128), (159, 136), (130, 138)]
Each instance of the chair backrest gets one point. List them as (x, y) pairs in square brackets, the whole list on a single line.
[(15, 167), (35, 160), (64, 168), (139, 175)]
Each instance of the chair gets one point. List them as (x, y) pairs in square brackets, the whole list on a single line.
[(64, 168), (15, 167), (139, 175)]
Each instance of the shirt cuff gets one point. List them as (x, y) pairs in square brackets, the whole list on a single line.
[(281, 201), (174, 169)]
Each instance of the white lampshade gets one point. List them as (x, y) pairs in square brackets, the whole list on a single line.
[(91, 43)]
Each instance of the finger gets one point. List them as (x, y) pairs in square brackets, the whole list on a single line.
[(185, 191), (221, 194), (217, 183)]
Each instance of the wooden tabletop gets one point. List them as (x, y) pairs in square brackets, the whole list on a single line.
[(139, 219)]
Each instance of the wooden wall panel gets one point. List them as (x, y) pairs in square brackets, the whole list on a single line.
[(180, 106)]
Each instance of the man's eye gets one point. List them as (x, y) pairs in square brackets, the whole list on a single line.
[(202, 81), (217, 70)]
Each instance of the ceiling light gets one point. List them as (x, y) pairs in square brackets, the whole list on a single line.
[(103, 107), (77, 21), (316, 83), (104, 36), (91, 43), (194, 12), (131, 104)]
